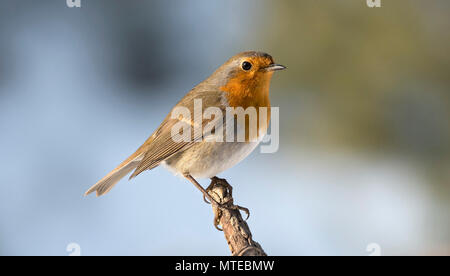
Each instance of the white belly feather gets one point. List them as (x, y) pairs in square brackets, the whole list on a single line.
[(208, 159)]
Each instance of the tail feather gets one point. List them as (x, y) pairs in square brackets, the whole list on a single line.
[(106, 183)]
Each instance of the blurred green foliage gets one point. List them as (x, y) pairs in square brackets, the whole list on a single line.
[(380, 76)]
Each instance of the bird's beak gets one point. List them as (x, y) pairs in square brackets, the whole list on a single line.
[(275, 67)]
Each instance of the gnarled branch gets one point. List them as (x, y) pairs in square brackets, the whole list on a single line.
[(236, 230)]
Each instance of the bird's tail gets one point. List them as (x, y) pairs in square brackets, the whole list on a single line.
[(106, 183)]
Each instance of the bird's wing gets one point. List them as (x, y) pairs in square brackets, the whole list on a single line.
[(162, 145)]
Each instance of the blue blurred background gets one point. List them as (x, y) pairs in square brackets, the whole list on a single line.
[(364, 108)]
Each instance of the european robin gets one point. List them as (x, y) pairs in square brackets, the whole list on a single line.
[(242, 81)]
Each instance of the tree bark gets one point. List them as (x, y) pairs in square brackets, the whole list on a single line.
[(236, 230)]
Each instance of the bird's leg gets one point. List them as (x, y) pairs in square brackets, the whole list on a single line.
[(205, 193), (215, 180), (228, 203)]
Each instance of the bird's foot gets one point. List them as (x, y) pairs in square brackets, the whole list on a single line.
[(221, 181), (226, 199)]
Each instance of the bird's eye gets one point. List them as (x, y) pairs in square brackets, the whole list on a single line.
[(246, 65)]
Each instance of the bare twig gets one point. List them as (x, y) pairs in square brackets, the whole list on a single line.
[(236, 230)]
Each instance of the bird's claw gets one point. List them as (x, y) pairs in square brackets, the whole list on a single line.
[(205, 200), (245, 210), (228, 204)]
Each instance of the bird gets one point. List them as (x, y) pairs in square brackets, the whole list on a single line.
[(242, 81)]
